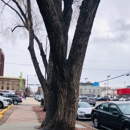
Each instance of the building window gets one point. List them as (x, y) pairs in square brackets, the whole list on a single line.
[(7, 87), (2, 82), (8, 83), (89, 90), (2, 87)]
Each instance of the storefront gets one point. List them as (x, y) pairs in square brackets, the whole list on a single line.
[(123, 92)]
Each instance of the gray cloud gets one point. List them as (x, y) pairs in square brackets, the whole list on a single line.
[(120, 25), (120, 38)]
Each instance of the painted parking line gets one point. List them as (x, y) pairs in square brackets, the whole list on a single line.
[(4, 110)]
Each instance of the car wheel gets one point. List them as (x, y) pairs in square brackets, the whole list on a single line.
[(126, 128), (15, 102), (1, 105), (95, 122)]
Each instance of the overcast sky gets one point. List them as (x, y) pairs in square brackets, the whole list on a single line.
[(107, 53)]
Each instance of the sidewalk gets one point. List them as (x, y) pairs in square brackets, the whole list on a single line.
[(22, 117)]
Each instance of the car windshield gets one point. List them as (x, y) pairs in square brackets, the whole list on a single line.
[(5, 95), (91, 98), (125, 108), (83, 105)]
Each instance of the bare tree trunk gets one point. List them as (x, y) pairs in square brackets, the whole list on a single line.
[(61, 112), (45, 99)]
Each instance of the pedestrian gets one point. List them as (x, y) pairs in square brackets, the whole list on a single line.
[(24, 95)]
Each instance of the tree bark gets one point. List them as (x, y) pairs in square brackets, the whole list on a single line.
[(64, 85), (61, 112)]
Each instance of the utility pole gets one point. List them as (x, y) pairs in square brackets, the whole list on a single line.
[(107, 83)]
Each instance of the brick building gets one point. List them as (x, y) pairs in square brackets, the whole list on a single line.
[(11, 83), (1, 62)]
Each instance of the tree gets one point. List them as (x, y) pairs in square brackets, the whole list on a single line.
[(61, 86)]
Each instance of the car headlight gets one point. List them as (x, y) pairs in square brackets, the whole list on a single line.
[(81, 112), (5, 99)]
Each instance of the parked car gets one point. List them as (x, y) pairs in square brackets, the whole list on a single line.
[(127, 99), (16, 98), (35, 96), (39, 97), (84, 110), (122, 99), (2, 93), (115, 99), (8, 91), (5, 102), (90, 100), (112, 115), (104, 99)]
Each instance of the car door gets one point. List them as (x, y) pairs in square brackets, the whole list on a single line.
[(102, 115), (114, 120)]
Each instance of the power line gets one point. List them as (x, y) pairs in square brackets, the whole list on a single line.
[(21, 64), (105, 61), (48, 46), (104, 69), (83, 68), (126, 74)]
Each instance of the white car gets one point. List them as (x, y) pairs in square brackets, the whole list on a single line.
[(5, 102), (122, 99), (39, 97), (9, 91), (84, 110)]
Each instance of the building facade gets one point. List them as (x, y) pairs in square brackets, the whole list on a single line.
[(89, 89), (11, 83), (1, 62)]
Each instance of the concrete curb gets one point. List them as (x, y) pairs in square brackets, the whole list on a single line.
[(87, 126), (2, 112)]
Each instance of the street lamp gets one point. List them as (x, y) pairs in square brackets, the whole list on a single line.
[(27, 82), (107, 83), (124, 81), (86, 79)]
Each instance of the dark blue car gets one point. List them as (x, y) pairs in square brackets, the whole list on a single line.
[(114, 115)]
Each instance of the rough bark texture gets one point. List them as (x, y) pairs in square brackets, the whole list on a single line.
[(65, 77)]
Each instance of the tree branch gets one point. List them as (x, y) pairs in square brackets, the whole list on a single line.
[(54, 30), (4, 6), (20, 9), (31, 45), (17, 27), (36, 38), (50, 16), (42, 53), (58, 6), (67, 14), (14, 11), (82, 33)]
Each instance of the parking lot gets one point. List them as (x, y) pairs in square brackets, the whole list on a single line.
[(89, 122)]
